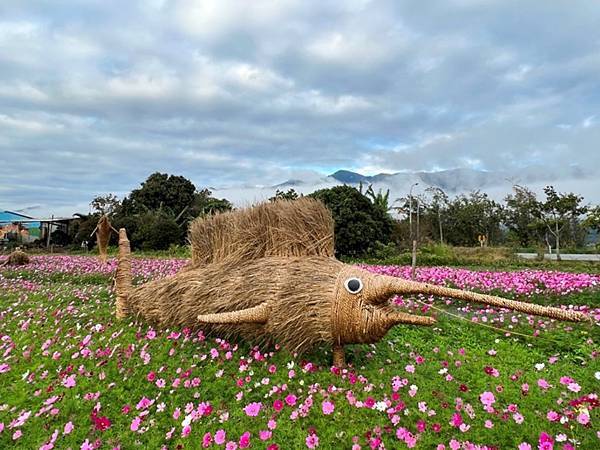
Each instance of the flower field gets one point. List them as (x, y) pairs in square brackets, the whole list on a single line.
[(71, 376)]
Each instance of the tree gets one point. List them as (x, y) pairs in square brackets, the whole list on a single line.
[(290, 194), (161, 190), (204, 204), (593, 218), (472, 215), (359, 224), (559, 210), (521, 214), (380, 200), (157, 230), (438, 206), (105, 204)]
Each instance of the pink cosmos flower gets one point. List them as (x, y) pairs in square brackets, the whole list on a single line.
[(231, 446), (264, 435), (245, 440), (312, 440), (69, 382), (220, 437), (524, 446), (545, 442), (207, 440), (68, 428), (487, 398), (278, 405), (543, 384), (583, 419), (253, 409), (291, 399), (328, 407), (552, 416), (135, 424)]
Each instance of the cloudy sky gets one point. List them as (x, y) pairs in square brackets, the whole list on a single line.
[(96, 95)]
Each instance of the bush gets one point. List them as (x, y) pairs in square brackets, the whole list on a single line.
[(157, 231), (359, 224)]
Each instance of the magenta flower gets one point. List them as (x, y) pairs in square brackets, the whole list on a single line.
[(312, 441), (328, 407), (220, 437), (253, 409), (487, 398), (290, 400), (245, 440)]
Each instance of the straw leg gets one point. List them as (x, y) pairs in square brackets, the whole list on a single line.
[(339, 357)]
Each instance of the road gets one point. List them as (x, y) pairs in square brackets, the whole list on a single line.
[(564, 257)]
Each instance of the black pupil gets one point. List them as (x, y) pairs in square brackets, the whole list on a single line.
[(353, 285)]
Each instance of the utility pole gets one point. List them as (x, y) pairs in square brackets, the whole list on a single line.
[(414, 241)]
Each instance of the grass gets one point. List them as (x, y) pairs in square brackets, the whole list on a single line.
[(45, 318)]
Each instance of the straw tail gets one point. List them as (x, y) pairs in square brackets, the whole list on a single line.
[(412, 287), (123, 277)]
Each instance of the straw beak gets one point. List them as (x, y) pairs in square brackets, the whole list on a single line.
[(400, 286)]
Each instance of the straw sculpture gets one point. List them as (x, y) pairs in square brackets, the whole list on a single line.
[(102, 230), (302, 227), (298, 300), (17, 258)]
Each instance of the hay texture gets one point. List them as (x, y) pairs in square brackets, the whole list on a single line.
[(103, 236), (299, 302), (289, 228), (17, 258)]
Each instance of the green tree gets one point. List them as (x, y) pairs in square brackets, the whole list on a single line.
[(436, 209), (105, 204), (521, 214), (359, 224), (558, 211), (161, 191), (379, 199), (290, 194), (593, 218), (157, 230), (472, 215)]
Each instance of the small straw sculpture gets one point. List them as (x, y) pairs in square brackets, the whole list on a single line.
[(17, 258), (302, 227), (102, 230), (299, 301)]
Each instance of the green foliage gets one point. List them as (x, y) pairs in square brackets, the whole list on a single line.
[(380, 200), (290, 194), (105, 204), (521, 213), (593, 218), (472, 215), (157, 231), (359, 224), (560, 213), (161, 191)]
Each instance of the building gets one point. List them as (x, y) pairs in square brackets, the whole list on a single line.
[(26, 229), (14, 225)]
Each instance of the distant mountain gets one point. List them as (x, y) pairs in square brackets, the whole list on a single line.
[(452, 181), (346, 176)]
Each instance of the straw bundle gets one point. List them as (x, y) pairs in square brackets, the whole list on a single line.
[(17, 258), (103, 236), (302, 227)]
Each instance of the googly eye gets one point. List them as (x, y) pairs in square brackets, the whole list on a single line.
[(353, 285)]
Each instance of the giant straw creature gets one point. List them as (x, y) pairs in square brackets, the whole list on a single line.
[(266, 282)]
